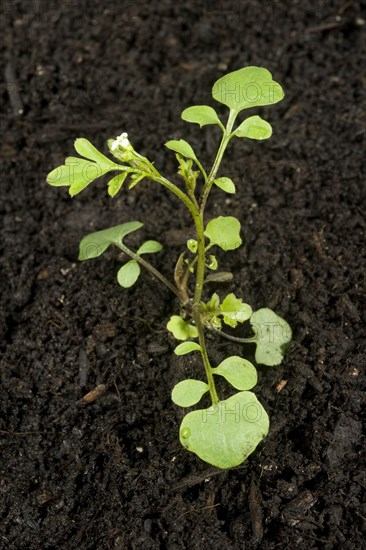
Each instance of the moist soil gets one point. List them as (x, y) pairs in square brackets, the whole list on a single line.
[(110, 473)]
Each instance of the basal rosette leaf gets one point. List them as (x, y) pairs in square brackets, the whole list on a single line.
[(225, 434), (272, 337)]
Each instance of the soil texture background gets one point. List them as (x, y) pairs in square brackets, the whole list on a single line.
[(111, 474)]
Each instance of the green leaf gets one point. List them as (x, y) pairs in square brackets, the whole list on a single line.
[(246, 88), (212, 310), (128, 274), (234, 311), (181, 147), (225, 434), (150, 247), (202, 115), (87, 150), (219, 277), (187, 347), (272, 336), (181, 329), (78, 173), (226, 184), (254, 127), (135, 179), (225, 232), (192, 245), (239, 372), (189, 392), (94, 244), (214, 304), (115, 184), (211, 262)]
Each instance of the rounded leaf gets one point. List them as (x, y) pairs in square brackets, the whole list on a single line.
[(226, 184), (224, 231), (225, 434), (150, 247), (272, 336), (189, 392), (181, 147), (192, 245), (181, 329), (239, 372), (187, 347), (254, 127), (201, 114), (128, 274), (246, 88), (211, 262)]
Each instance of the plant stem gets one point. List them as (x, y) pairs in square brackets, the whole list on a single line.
[(232, 338), (200, 274), (216, 165), (177, 192), (150, 268), (198, 216), (206, 361)]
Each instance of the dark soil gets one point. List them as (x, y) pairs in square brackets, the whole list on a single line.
[(111, 473)]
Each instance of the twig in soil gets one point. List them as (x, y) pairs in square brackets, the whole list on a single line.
[(324, 27), (13, 89), (94, 394), (4, 432), (256, 511), (189, 481), (117, 391)]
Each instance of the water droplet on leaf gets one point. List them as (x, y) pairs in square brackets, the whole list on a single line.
[(185, 433)]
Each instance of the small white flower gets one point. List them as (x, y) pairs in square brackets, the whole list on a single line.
[(120, 141)]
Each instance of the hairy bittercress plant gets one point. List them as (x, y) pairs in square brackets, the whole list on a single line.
[(228, 431)]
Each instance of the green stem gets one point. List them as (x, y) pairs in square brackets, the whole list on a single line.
[(198, 216), (205, 359), (177, 192), (203, 171), (232, 338), (200, 274), (216, 165)]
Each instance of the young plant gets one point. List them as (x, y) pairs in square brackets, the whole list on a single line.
[(227, 432)]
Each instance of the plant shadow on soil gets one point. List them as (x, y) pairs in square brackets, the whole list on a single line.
[(111, 473)]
